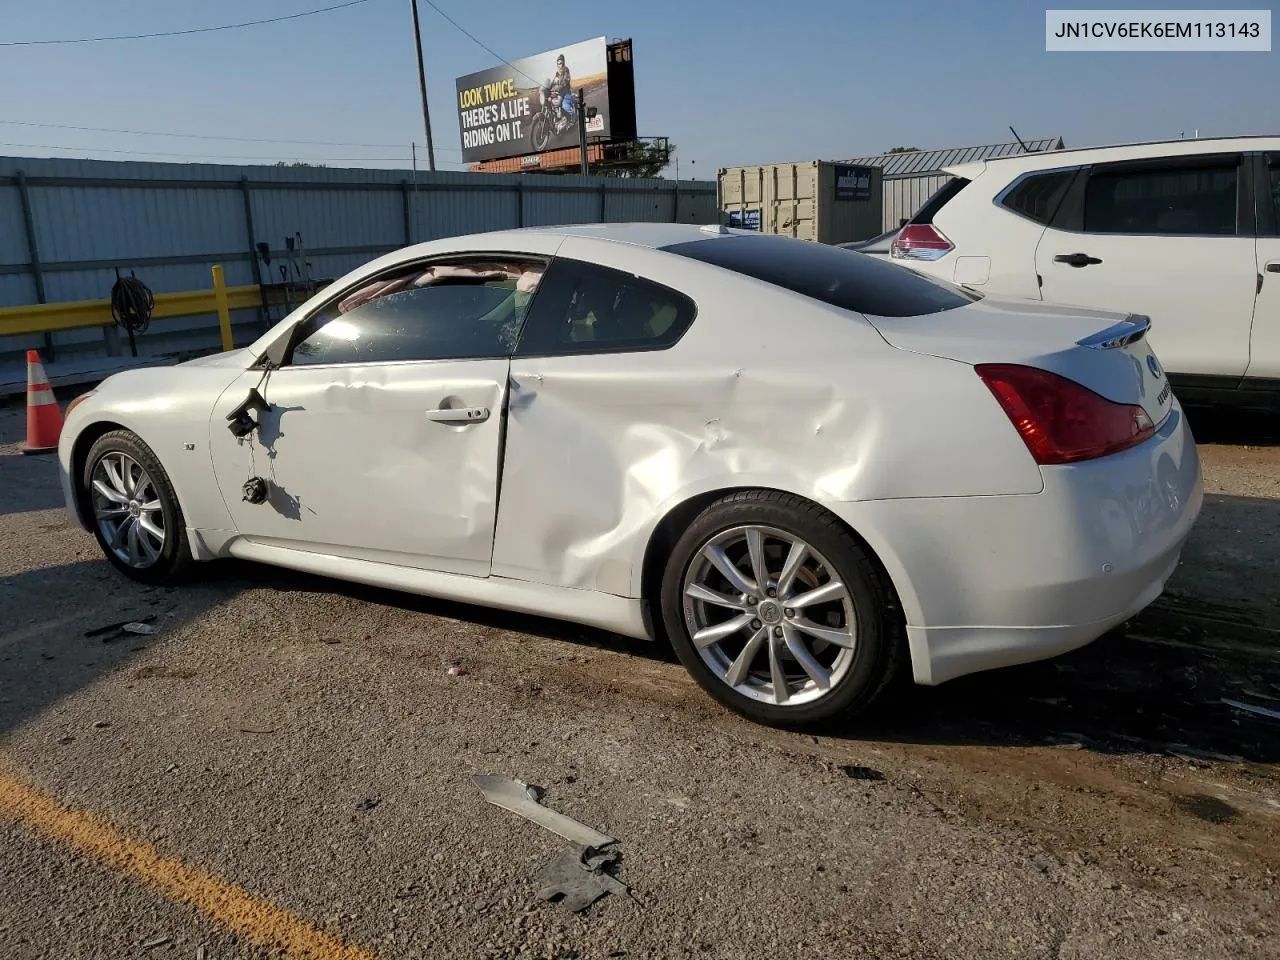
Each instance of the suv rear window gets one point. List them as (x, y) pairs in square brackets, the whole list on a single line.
[(1037, 197), (941, 197), (839, 277)]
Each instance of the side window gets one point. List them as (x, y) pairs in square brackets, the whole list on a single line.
[(1195, 199), (585, 308), (1273, 183), (458, 310), (1037, 197)]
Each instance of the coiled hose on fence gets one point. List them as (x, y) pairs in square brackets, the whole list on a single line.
[(131, 306)]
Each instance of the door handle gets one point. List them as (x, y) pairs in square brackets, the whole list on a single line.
[(1273, 266), (459, 415), (1076, 259)]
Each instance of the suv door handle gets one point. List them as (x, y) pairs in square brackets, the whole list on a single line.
[(1273, 266), (1076, 259), (459, 415)]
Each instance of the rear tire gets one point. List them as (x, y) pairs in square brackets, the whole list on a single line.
[(129, 503), (823, 630)]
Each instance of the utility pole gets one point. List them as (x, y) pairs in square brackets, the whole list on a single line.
[(582, 130), (422, 87)]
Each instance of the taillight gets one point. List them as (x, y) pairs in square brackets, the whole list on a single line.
[(1061, 421), (920, 241)]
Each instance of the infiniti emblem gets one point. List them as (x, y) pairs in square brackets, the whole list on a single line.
[(1153, 365)]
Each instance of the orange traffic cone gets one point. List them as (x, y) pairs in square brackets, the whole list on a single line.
[(44, 419)]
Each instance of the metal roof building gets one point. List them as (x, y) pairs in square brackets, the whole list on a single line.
[(912, 177)]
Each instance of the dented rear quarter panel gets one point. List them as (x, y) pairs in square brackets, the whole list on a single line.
[(766, 389)]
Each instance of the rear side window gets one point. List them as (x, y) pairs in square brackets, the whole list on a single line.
[(1037, 197), (584, 308), (941, 197), (1195, 200), (839, 277)]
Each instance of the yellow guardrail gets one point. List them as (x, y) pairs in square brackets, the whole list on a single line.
[(73, 314)]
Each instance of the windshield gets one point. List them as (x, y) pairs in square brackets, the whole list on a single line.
[(839, 277)]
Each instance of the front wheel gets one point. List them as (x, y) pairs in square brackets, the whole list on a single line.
[(539, 134), (133, 510), (778, 612)]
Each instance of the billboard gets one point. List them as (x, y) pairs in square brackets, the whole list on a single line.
[(501, 112)]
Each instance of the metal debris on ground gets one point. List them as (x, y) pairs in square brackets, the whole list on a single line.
[(861, 773), (576, 878), (522, 799), (1252, 708), (111, 631)]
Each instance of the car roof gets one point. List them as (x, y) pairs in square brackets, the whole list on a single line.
[(654, 235), (1109, 154)]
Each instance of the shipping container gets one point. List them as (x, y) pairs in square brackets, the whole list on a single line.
[(816, 200)]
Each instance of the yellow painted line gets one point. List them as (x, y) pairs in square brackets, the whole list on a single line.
[(252, 918)]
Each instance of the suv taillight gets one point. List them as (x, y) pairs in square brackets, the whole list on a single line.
[(1061, 421), (920, 241)]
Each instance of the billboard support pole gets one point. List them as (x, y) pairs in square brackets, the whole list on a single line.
[(582, 130), (422, 87)]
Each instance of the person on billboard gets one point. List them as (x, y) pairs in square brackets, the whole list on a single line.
[(561, 82), (557, 111)]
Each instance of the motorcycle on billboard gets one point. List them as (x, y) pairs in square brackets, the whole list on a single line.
[(556, 114)]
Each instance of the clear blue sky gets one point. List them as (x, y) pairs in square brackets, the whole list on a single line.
[(730, 81)]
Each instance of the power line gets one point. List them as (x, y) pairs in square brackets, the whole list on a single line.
[(483, 46), (182, 33), (207, 156), (200, 136)]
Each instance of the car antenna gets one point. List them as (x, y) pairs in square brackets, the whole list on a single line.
[(1025, 148)]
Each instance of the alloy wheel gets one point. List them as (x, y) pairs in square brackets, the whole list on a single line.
[(769, 615), (127, 509)]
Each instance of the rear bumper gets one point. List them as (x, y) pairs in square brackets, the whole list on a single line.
[(988, 582)]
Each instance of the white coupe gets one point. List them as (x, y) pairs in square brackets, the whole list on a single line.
[(803, 466)]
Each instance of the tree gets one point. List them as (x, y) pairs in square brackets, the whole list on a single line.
[(905, 150), (642, 160), (297, 163)]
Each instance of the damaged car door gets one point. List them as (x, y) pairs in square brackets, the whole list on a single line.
[(382, 440)]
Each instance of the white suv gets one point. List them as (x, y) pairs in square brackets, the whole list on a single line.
[(1186, 232)]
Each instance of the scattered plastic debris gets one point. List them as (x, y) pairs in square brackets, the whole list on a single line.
[(522, 799), (576, 878), (456, 670), (861, 773), (157, 942), (113, 631), (1253, 708)]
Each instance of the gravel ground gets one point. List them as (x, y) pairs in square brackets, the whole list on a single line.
[(304, 740)]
